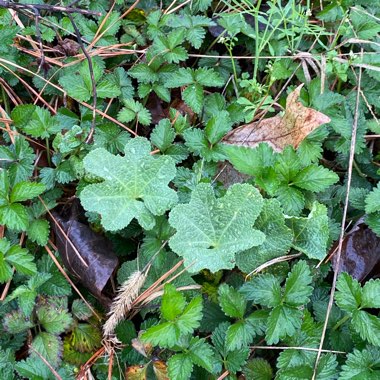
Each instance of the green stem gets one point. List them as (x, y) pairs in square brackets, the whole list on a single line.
[(48, 151), (256, 63), (5, 100), (341, 322)]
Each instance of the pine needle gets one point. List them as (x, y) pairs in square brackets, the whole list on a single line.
[(121, 305)]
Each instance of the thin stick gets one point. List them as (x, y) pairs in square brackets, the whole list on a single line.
[(92, 76), (344, 218), (295, 348), (59, 266), (46, 7), (53, 371), (63, 232)]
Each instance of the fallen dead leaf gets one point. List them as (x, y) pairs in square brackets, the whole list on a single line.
[(297, 122)]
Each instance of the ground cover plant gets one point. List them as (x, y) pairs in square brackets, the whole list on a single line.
[(189, 189)]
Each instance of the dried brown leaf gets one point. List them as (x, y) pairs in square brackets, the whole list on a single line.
[(297, 122)]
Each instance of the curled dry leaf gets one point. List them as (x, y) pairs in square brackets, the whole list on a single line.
[(360, 252), (98, 260), (279, 131)]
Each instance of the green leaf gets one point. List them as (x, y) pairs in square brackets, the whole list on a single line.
[(315, 178), (35, 121), (81, 311), (24, 191), (86, 337), (173, 303), (210, 231), (258, 369), (217, 127), (193, 96), (231, 301), (180, 366), (201, 353), (134, 110), (297, 286), (18, 159), (54, 320), (191, 316), (292, 199), (349, 294), (33, 369), (271, 222), (38, 231), (163, 135), (16, 322), (263, 289), (135, 186), (239, 335), (21, 260), (251, 161), (49, 346), (372, 201), (283, 321), (311, 234), (363, 364), (370, 295), (164, 335), (231, 360), (367, 325), (14, 216), (111, 137), (77, 81)]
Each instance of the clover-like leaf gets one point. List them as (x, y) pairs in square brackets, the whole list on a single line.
[(135, 186), (210, 231)]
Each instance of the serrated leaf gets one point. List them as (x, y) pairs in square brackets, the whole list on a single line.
[(278, 238), (263, 289), (210, 231), (231, 301), (370, 294), (14, 216), (180, 366), (49, 346), (349, 295), (80, 310), (16, 322), (134, 110), (24, 191), (217, 127), (367, 325), (311, 234), (193, 96), (282, 321), (135, 186), (18, 158), (54, 320), (85, 337), (191, 316), (239, 335), (372, 201), (35, 121), (165, 334), (363, 364), (315, 178), (32, 369), (297, 286), (232, 360), (38, 231), (163, 135), (258, 369), (201, 353), (173, 303)]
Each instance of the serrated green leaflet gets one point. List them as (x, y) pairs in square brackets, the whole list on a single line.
[(210, 231), (311, 234), (135, 186)]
